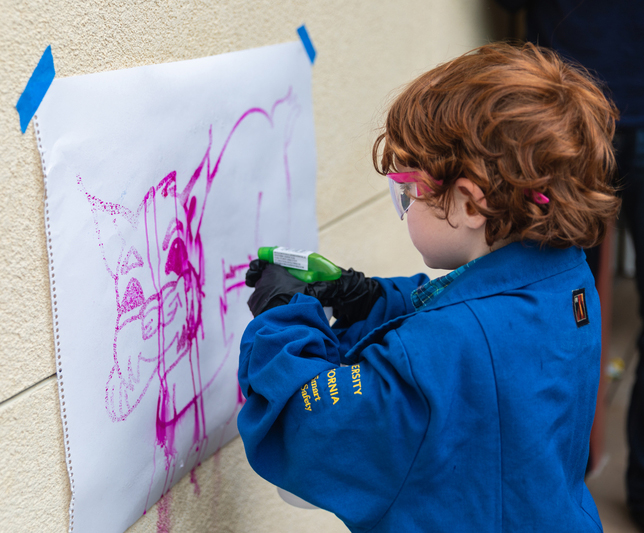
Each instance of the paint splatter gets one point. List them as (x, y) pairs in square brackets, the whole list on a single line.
[(195, 482), (159, 292), (164, 509)]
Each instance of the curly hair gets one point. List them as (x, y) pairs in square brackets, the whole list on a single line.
[(519, 122)]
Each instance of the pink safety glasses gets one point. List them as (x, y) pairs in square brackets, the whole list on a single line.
[(405, 187)]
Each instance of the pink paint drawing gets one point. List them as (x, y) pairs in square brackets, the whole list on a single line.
[(156, 259)]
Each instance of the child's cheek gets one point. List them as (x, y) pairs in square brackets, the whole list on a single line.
[(439, 243), (419, 227)]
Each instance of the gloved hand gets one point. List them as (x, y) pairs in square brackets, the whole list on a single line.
[(352, 295), (273, 286)]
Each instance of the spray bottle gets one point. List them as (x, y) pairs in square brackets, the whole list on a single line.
[(305, 266)]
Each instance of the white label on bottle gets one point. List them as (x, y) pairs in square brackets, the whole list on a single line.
[(291, 258)]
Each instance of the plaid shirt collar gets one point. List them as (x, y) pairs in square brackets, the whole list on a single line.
[(423, 295)]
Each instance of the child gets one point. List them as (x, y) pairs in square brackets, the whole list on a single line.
[(466, 402)]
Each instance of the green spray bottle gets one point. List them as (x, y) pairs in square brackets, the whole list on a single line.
[(305, 266)]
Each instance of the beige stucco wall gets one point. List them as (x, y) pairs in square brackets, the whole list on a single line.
[(366, 50)]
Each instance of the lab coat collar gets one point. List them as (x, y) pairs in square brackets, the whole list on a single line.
[(514, 266)]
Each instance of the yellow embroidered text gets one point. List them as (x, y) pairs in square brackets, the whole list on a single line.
[(306, 397), (314, 388), (333, 386), (355, 378)]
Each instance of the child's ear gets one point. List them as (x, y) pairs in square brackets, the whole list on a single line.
[(468, 193)]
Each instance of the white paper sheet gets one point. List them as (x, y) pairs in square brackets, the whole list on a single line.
[(161, 182)]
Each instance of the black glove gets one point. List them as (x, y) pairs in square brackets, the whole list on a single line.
[(352, 295), (254, 271), (273, 286)]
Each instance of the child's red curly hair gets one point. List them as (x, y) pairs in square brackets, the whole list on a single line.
[(515, 121)]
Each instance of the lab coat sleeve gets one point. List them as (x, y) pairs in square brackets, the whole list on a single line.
[(395, 301), (342, 438)]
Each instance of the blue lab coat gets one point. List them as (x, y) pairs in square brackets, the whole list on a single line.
[(471, 415)]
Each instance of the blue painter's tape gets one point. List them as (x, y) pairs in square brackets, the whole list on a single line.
[(36, 89), (306, 41)]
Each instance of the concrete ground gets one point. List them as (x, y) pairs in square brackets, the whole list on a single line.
[(607, 483)]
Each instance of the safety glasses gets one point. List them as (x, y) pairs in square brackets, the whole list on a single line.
[(405, 188), (402, 186)]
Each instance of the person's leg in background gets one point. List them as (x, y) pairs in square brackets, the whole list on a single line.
[(629, 143)]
